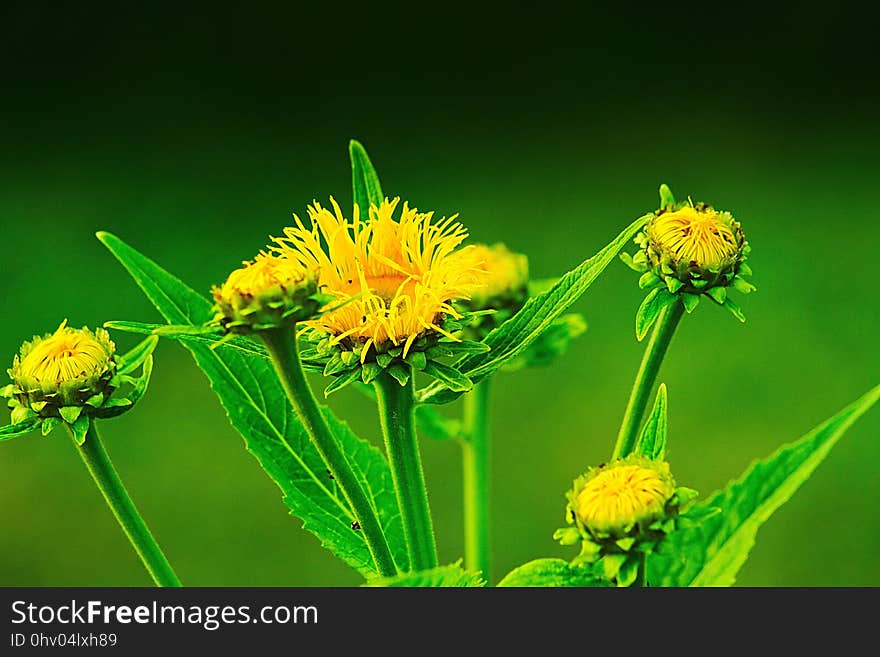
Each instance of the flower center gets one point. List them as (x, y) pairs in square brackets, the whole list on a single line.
[(65, 356), (691, 235), (621, 496)]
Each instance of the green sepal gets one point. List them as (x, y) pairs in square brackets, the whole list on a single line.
[(70, 414), (611, 564), (19, 428), (628, 572), (370, 371), (21, 414), (666, 196), (96, 401), (38, 406), (567, 535), (79, 429), (627, 259), (717, 294), (341, 381), (48, 424), (742, 285), (744, 269), (734, 309), (648, 279), (335, 365), (348, 357), (384, 360), (451, 377), (417, 360), (673, 284), (691, 301), (400, 372), (625, 544)]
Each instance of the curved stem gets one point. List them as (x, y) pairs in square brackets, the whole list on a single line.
[(646, 377), (396, 407), (283, 349), (475, 459), (101, 468)]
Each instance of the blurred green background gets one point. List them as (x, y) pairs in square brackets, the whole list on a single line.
[(194, 136)]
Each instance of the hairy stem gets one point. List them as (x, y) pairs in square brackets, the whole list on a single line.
[(396, 413), (646, 377), (101, 468), (475, 453), (283, 349)]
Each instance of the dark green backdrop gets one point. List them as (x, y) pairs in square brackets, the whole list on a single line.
[(195, 136)]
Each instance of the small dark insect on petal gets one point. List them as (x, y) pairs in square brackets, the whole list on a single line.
[(355, 525)]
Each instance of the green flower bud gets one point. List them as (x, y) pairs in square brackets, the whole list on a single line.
[(268, 292)]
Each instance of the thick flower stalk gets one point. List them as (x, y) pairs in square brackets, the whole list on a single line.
[(267, 297), (620, 512), (74, 377), (687, 251), (394, 283)]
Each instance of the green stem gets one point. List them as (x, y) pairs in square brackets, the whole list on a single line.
[(283, 349), (101, 468), (396, 413), (642, 577), (646, 377), (475, 453)]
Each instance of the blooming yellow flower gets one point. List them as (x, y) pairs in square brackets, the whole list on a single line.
[(623, 494), (392, 280), (265, 293), (71, 364)]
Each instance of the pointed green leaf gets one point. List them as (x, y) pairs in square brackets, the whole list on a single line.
[(717, 294), (551, 572), (452, 575), (652, 442), (19, 428), (131, 360), (551, 344), (537, 315), (400, 372), (364, 179), (245, 382), (650, 310), (451, 377), (417, 360), (710, 553), (48, 424)]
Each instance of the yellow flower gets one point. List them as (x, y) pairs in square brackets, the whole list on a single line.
[(696, 236), (71, 364), (615, 498), (397, 278), (507, 274), (267, 292)]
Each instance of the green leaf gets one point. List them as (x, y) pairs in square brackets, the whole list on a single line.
[(452, 575), (70, 414), (552, 344), (19, 428), (80, 428), (650, 310), (451, 377), (537, 315), (652, 442), (711, 552), (734, 309), (258, 408), (551, 572), (364, 180), (341, 381), (131, 360)]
